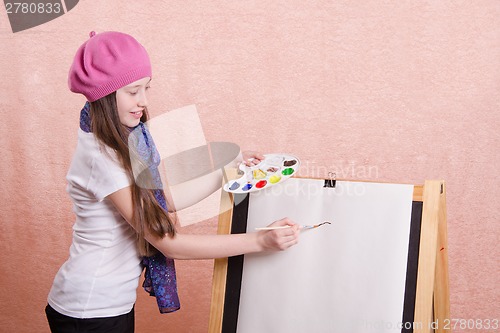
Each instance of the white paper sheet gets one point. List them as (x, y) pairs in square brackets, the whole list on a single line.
[(345, 277)]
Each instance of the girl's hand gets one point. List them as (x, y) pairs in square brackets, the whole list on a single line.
[(251, 158), (279, 239)]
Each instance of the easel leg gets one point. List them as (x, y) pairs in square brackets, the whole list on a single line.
[(432, 272), (220, 266), (441, 286)]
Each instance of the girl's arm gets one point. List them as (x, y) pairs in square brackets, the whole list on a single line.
[(188, 246), (188, 193)]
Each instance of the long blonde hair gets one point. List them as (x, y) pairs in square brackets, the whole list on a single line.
[(148, 215)]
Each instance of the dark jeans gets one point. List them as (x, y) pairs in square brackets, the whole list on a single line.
[(60, 323)]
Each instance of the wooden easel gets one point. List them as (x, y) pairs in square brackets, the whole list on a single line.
[(432, 291)]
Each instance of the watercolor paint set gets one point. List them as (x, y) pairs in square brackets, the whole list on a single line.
[(274, 169)]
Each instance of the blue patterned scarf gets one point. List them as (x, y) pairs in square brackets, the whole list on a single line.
[(160, 279)]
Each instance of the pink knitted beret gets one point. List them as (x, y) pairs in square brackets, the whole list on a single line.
[(105, 63)]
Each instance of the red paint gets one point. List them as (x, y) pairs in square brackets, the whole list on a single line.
[(261, 184)]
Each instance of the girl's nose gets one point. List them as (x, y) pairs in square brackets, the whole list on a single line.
[(143, 100)]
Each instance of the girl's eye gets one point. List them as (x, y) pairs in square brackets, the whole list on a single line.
[(133, 93)]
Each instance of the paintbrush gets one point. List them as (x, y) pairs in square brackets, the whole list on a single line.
[(287, 226)]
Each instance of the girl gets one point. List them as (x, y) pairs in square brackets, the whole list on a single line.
[(121, 225)]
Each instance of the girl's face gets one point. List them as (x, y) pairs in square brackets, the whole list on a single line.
[(131, 101)]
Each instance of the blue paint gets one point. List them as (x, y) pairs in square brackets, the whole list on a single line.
[(247, 187)]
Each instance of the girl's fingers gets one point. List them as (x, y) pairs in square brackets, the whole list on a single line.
[(252, 158), (288, 238), (288, 243)]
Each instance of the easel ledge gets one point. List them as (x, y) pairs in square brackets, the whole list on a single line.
[(432, 303)]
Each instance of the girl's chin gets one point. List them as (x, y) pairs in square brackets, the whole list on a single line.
[(131, 122)]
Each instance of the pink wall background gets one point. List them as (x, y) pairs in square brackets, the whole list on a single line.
[(398, 91)]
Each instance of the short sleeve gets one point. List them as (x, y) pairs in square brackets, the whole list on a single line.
[(107, 176)]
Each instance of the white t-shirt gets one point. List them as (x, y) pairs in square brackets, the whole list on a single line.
[(102, 273)]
